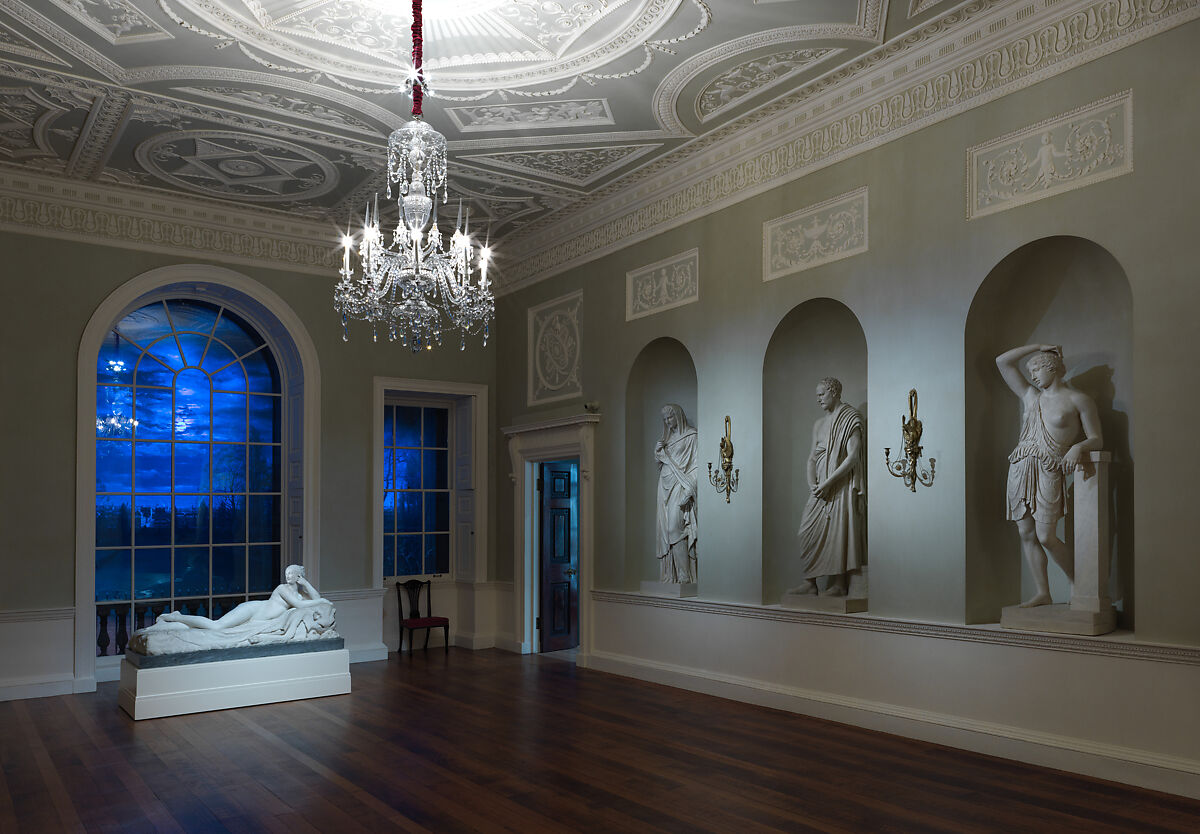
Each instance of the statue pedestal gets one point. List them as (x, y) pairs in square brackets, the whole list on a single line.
[(1090, 610), (669, 589), (830, 605)]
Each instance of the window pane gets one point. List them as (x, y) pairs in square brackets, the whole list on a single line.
[(232, 378), (229, 417), (191, 467), (229, 518), (192, 404), (261, 373), (114, 523), (408, 468), (264, 567), (117, 360), (152, 519), (229, 467), (187, 314), (389, 512), (229, 570), (151, 573), (437, 512), (114, 466), (264, 419), (435, 427), (112, 575), (436, 468), (152, 372), (408, 555), (437, 553), (193, 346), (263, 513), (166, 350), (408, 512), (152, 467), (114, 411), (388, 465), (389, 417), (191, 519), (408, 426), (191, 571), (241, 337), (152, 408), (264, 469), (217, 357), (145, 325), (389, 555)]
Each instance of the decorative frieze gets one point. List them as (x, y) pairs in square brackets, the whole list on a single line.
[(532, 116), (828, 231), (669, 283), (1085, 146), (554, 350)]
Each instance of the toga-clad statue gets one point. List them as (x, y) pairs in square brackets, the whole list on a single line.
[(1059, 426), (675, 523), (832, 539), (294, 611)]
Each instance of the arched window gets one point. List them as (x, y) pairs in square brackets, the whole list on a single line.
[(189, 457)]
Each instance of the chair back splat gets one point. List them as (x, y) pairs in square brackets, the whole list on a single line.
[(411, 589)]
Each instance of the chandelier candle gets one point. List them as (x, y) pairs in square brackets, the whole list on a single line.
[(412, 285)]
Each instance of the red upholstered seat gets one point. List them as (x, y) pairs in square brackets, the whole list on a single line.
[(426, 622), (412, 591)]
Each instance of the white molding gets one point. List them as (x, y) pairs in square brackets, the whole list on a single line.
[(1117, 644), (37, 654), (106, 315), (16, 689), (357, 593), (1108, 761), (31, 615), (571, 387), (907, 84), (689, 259), (558, 439), (847, 204)]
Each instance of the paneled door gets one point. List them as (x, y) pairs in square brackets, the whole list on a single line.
[(559, 555)]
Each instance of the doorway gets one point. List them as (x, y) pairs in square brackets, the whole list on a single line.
[(558, 555)]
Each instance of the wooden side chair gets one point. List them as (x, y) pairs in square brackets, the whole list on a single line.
[(412, 590)]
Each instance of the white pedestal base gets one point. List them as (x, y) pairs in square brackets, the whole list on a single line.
[(669, 589), (832, 605), (1058, 619), (222, 684)]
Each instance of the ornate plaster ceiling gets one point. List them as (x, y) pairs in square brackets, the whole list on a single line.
[(285, 105)]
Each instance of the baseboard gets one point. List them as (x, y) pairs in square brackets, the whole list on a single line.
[(474, 642), (14, 689), (508, 643), (1105, 761), (368, 653)]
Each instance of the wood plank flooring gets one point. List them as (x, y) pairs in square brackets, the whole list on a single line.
[(491, 741)]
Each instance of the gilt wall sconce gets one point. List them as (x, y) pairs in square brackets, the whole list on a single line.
[(908, 466), (726, 480)]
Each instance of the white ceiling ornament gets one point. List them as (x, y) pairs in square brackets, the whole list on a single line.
[(754, 76), (529, 116), (574, 166), (14, 43), (284, 104), (228, 164), (117, 21), (26, 119)]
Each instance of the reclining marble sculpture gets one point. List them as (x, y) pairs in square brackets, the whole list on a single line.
[(294, 612)]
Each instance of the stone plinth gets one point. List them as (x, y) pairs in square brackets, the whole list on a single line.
[(827, 604), (1058, 619), (669, 589)]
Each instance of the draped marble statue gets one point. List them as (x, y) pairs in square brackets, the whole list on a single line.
[(1059, 427), (294, 612), (676, 525), (832, 541)]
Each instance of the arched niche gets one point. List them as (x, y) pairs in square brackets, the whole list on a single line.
[(1062, 291), (662, 373), (819, 338)]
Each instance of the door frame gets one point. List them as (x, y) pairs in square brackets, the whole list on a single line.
[(544, 442)]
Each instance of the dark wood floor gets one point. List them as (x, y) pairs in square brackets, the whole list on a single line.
[(491, 741)]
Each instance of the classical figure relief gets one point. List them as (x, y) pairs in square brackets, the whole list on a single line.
[(1059, 426), (676, 525), (832, 539)]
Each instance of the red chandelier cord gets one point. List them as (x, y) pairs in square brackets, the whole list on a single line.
[(418, 93)]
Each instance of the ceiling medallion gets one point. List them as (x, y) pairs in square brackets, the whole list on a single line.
[(415, 285)]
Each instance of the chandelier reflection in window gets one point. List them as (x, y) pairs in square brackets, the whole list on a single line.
[(116, 423), (411, 282)]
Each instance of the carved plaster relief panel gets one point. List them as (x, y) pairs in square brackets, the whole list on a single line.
[(754, 76), (554, 350), (14, 43), (549, 114), (284, 105), (26, 122), (1085, 146), (574, 166), (669, 283), (117, 21), (828, 231), (916, 7)]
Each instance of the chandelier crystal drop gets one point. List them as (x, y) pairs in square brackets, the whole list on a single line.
[(411, 282)]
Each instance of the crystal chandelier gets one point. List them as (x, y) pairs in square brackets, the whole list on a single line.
[(411, 282), (114, 424)]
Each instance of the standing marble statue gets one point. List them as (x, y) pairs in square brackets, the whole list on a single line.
[(831, 538), (1059, 426), (675, 524)]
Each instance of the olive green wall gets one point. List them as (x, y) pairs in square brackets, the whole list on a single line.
[(50, 289), (911, 293)]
